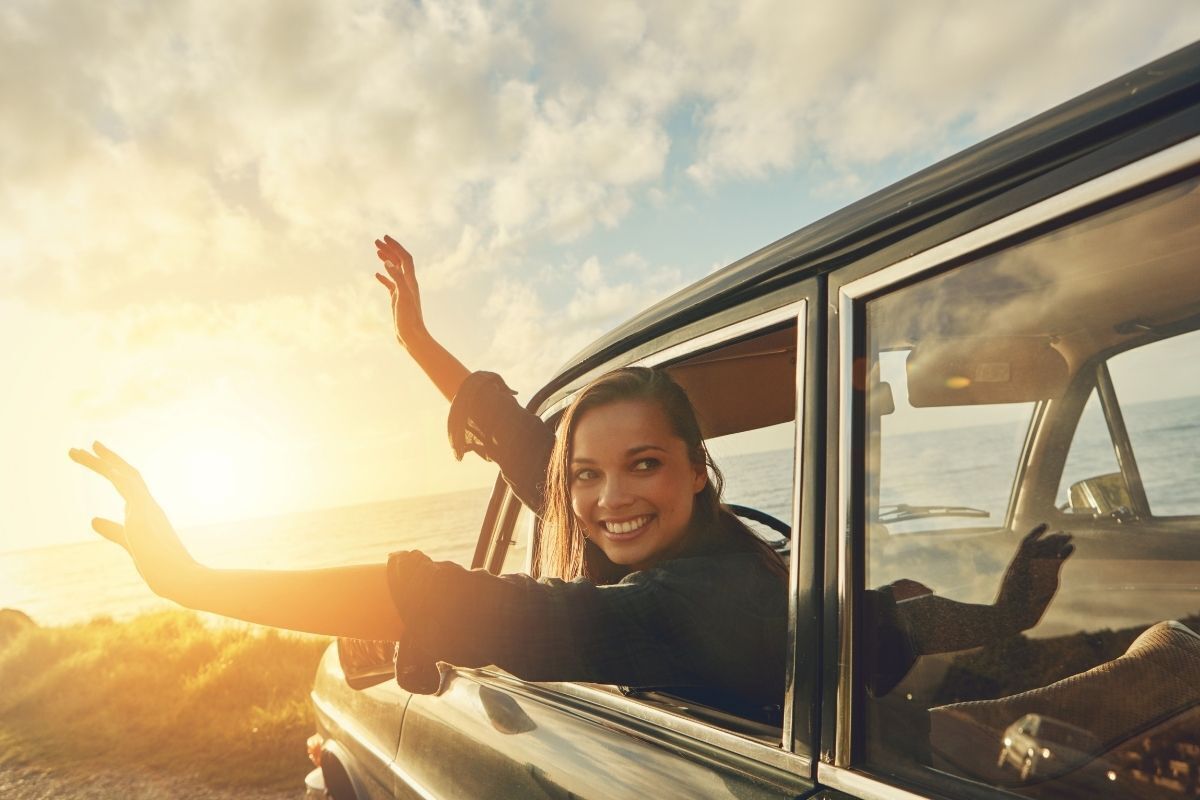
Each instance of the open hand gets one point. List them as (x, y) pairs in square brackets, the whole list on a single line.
[(1031, 580), (401, 283), (147, 535)]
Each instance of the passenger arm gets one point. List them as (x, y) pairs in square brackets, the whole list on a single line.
[(345, 601), (940, 625), (484, 416)]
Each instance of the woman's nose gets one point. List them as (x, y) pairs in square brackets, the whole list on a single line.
[(614, 494)]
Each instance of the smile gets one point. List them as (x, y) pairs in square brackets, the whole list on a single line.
[(628, 528)]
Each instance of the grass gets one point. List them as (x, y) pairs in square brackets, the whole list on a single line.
[(224, 705)]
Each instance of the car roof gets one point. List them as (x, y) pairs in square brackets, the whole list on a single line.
[(1079, 126)]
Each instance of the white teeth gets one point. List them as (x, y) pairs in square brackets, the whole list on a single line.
[(626, 527)]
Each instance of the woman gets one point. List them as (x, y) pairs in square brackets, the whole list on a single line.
[(648, 582)]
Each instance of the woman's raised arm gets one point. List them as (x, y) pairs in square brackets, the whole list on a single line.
[(446, 371), (343, 601)]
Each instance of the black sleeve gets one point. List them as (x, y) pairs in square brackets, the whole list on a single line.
[(656, 628), (485, 418)]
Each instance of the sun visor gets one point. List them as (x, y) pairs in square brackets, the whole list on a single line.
[(980, 370)]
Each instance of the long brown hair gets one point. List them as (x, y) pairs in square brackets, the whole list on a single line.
[(565, 552)]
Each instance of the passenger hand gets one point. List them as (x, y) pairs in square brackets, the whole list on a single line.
[(147, 535), (1031, 580), (401, 283)]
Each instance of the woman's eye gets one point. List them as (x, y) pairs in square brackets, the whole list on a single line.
[(644, 464), (585, 474)]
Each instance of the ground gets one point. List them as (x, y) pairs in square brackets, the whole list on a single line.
[(30, 782)]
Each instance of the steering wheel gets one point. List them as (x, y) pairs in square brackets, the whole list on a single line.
[(763, 518)]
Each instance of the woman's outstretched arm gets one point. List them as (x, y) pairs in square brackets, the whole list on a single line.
[(446, 371), (342, 601)]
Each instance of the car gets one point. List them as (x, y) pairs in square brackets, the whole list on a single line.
[(1035, 744), (903, 389)]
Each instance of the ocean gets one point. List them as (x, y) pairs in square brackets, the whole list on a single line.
[(968, 466)]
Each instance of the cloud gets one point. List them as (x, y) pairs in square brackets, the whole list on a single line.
[(145, 142), (858, 83), (532, 338)]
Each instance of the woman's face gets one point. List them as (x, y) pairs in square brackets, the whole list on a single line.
[(632, 484)]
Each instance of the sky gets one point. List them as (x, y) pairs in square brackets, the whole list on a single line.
[(189, 192)]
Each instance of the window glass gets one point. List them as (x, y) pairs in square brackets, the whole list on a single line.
[(1157, 386), (942, 467), (1092, 478), (757, 467), (1051, 664), (516, 558)]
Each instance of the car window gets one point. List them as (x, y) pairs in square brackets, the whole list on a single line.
[(941, 467), (517, 556), (1047, 382), (1092, 481), (1163, 423), (758, 470), (751, 438)]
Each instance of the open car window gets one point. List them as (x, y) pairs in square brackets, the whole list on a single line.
[(1053, 380), (752, 437)]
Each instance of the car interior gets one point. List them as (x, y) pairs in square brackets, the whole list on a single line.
[(1074, 350)]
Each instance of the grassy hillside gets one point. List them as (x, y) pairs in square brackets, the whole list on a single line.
[(228, 705)]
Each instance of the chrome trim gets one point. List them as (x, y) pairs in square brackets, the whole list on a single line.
[(845, 683), (356, 732), (793, 621), (738, 744), (860, 785), (1127, 177)]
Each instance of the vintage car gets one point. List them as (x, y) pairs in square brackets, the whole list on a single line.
[(904, 389)]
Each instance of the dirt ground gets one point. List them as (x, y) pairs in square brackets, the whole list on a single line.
[(30, 782)]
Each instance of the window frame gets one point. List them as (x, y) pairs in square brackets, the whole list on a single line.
[(791, 753), (842, 765)]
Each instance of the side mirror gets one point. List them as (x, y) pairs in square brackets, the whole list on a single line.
[(366, 662), (1101, 496)]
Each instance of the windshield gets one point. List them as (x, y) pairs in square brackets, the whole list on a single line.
[(943, 467)]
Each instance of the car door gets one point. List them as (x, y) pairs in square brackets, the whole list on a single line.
[(487, 733), (1040, 369)]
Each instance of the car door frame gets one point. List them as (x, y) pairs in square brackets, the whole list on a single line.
[(802, 304)]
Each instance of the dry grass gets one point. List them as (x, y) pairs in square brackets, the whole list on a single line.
[(227, 705)]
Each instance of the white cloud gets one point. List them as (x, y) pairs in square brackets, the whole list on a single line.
[(858, 83), (531, 338)]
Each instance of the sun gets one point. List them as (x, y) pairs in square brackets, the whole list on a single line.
[(209, 478)]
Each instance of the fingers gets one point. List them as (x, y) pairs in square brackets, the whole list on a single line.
[(1034, 534), (406, 259), (388, 249), (395, 273), (1055, 545), (112, 457), (113, 531), (110, 466), (100, 467), (391, 287)]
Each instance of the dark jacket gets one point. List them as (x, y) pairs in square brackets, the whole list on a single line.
[(710, 624)]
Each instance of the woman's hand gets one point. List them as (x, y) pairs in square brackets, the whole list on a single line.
[(161, 559), (1031, 580), (405, 294)]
